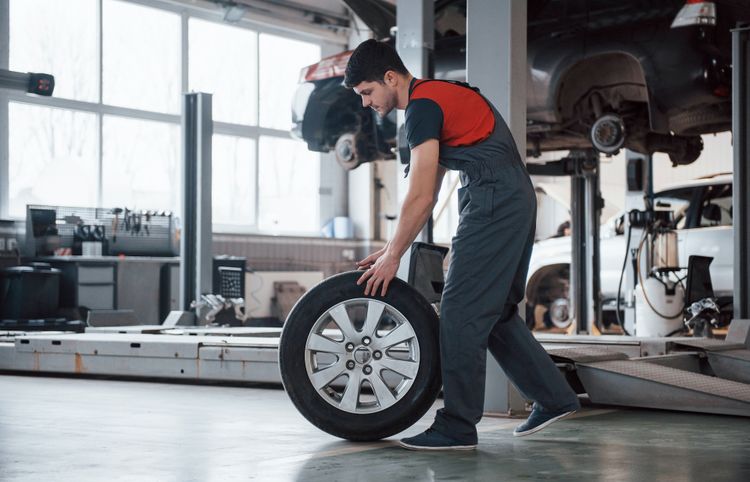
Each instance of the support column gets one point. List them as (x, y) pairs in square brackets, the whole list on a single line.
[(585, 210), (741, 182), (4, 130), (195, 241), (415, 43), (496, 63)]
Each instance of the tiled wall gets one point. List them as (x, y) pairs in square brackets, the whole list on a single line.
[(274, 253)]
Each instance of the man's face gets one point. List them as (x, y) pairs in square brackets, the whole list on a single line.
[(382, 97)]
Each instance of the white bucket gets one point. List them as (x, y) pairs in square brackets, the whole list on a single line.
[(647, 322)]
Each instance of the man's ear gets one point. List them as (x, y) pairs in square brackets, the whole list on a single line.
[(390, 78)]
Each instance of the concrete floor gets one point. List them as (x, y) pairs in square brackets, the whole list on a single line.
[(58, 429)]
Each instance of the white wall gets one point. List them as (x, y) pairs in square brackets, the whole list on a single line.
[(360, 180)]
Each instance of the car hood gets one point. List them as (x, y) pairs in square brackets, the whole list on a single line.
[(560, 192)]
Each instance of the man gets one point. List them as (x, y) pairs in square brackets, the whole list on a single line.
[(451, 126)]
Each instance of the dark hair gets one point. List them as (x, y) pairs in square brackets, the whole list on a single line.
[(370, 61)]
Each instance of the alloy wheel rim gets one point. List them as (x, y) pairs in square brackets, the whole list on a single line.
[(362, 356)]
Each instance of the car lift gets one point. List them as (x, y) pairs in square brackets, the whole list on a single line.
[(688, 374), (677, 373)]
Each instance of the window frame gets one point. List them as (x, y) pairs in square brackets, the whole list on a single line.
[(325, 39)]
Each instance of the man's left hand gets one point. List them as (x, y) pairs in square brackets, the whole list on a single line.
[(380, 274)]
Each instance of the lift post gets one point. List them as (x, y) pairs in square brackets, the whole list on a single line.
[(741, 182), (195, 241), (585, 210)]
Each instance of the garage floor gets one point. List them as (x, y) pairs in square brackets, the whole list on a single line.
[(80, 429)]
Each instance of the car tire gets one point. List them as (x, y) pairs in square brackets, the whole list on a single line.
[(403, 382)]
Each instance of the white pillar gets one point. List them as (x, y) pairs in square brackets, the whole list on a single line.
[(415, 40), (496, 63)]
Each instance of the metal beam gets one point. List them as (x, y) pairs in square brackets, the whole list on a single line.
[(585, 209), (4, 129), (195, 241), (741, 182)]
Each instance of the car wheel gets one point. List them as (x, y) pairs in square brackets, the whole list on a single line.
[(361, 368), (549, 300), (608, 133), (346, 152)]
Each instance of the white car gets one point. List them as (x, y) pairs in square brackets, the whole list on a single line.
[(703, 221)]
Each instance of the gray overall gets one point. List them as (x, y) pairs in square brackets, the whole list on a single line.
[(486, 280)]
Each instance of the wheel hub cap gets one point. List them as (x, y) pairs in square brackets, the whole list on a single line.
[(362, 355)]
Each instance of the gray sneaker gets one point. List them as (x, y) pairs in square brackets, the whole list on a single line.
[(538, 420), (431, 439)]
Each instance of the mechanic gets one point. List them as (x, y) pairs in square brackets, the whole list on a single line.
[(450, 125)]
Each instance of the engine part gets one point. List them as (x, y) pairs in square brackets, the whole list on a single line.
[(704, 314)]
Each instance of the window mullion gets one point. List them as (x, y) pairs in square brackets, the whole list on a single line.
[(184, 46), (4, 128), (100, 116), (256, 184)]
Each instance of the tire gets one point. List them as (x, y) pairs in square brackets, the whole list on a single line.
[(306, 355)]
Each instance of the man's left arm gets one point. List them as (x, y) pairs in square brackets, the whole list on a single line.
[(425, 179)]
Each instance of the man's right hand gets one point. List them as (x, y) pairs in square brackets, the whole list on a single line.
[(370, 260)]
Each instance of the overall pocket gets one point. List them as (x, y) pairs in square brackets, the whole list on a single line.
[(478, 203)]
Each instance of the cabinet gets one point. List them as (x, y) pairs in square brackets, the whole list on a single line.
[(148, 286), (89, 284)]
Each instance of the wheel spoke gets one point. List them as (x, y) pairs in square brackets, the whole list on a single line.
[(374, 313), (325, 376), (341, 317), (406, 368), (351, 393), (382, 392), (320, 343), (398, 335)]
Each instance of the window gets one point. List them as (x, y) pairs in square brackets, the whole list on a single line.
[(288, 195), (53, 157), (58, 38), (233, 180), (716, 208), (141, 57), (677, 201), (278, 80), (111, 134), (140, 164), (223, 62)]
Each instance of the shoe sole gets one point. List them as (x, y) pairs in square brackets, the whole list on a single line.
[(452, 447), (542, 426)]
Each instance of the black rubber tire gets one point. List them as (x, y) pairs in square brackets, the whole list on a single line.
[(360, 427)]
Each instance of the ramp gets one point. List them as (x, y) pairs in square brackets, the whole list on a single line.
[(731, 364), (673, 382), (641, 384)]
